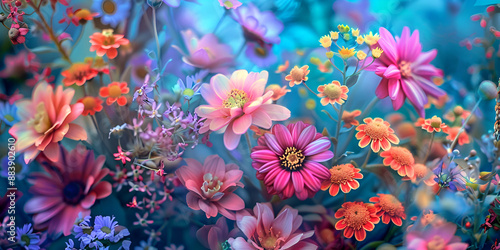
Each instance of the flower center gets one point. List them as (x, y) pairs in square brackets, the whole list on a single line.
[(292, 159), (356, 216), (390, 204), (26, 239), (437, 243), (297, 74), (405, 69), (9, 118), (73, 193), (260, 51), (41, 121), (270, 240), (341, 174), (115, 91), (436, 122), (107, 230), (236, 99), (109, 7), (402, 156), (228, 4), (188, 92), (88, 103), (376, 130), (332, 91), (420, 170), (211, 185)]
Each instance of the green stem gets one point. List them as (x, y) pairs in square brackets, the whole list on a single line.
[(454, 143), (310, 90)]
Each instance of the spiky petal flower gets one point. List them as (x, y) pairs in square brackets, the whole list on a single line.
[(332, 93), (434, 124), (389, 208), (377, 132), (287, 160), (357, 218), (298, 75), (342, 177), (400, 159)]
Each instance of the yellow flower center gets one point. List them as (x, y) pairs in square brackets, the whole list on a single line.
[(236, 99), (332, 91), (228, 4), (83, 13), (390, 204), (260, 51), (405, 69), (41, 121), (271, 240), (109, 7), (297, 74), (437, 243), (356, 216), (115, 91), (377, 130), (341, 173), (292, 159), (88, 103), (211, 185), (188, 92), (436, 122)]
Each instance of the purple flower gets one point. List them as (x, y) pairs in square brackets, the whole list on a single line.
[(27, 239), (153, 113), (262, 56), (258, 26), (192, 86), (104, 227), (451, 176)]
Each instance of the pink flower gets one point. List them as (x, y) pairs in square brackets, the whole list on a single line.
[(211, 186), (237, 103), (263, 231), (405, 70), (71, 186), (122, 156), (45, 121), (16, 34), (437, 237), (206, 53), (213, 236), (287, 160), (230, 4)]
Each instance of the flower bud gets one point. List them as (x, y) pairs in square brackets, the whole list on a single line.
[(487, 90), (329, 54)]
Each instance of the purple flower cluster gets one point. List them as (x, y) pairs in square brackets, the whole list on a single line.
[(104, 233)]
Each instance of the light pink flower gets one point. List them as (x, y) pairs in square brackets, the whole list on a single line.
[(237, 103), (45, 121), (211, 186), (263, 231), (405, 70), (71, 186), (436, 237)]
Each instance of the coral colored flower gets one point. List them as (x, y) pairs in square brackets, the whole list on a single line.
[(434, 124), (389, 208), (211, 186), (114, 92), (122, 156), (107, 43), (377, 132), (263, 231), (463, 138), (346, 53), (91, 105), (78, 74), (400, 159), (283, 67), (230, 4), (371, 39), (45, 121), (436, 237), (287, 160), (235, 104), (357, 218), (261, 27), (423, 173), (277, 90), (70, 186), (298, 75), (332, 93), (342, 177), (405, 70), (349, 118)]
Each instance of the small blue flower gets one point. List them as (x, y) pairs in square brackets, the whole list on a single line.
[(192, 86), (27, 238), (451, 176), (70, 245), (8, 113), (112, 12), (104, 227)]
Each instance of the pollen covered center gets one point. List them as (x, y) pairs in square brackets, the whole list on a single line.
[(341, 174), (402, 156), (332, 91), (292, 159), (297, 74), (390, 204), (236, 99), (377, 130), (115, 91), (356, 216), (109, 7)]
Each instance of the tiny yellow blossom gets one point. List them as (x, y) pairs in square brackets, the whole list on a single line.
[(361, 55), (334, 35), (360, 40), (346, 53), (343, 28), (325, 41), (347, 37), (371, 39), (377, 52), (329, 54), (315, 60), (355, 32), (310, 104)]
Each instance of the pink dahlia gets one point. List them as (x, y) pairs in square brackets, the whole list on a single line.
[(206, 53), (405, 70), (211, 186), (263, 231), (235, 104), (287, 160), (437, 237), (45, 121), (70, 186)]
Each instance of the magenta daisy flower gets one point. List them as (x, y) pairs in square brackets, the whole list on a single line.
[(287, 160)]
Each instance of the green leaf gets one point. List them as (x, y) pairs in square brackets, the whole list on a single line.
[(43, 50), (352, 80)]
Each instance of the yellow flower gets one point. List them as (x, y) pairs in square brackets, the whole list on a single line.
[(371, 39), (360, 40), (361, 55), (346, 53), (325, 41), (355, 32), (310, 104), (334, 35), (377, 52), (343, 28), (329, 54), (315, 60), (347, 37)]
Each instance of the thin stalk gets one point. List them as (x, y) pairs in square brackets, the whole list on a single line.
[(220, 21), (155, 31), (310, 90), (429, 148), (454, 143), (367, 158)]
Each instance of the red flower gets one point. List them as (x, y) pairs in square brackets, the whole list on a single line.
[(107, 43), (78, 74), (389, 208), (377, 132), (342, 177), (400, 159), (114, 93), (358, 217), (91, 105), (16, 34)]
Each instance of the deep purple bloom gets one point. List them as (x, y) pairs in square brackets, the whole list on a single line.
[(451, 176), (26, 238)]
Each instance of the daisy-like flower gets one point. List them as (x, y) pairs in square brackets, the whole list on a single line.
[(434, 124), (332, 93), (349, 118), (112, 12), (357, 218), (8, 113), (192, 86), (230, 4), (78, 74), (342, 177), (27, 239), (346, 53), (106, 43), (377, 132), (400, 159), (298, 75), (422, 173), (235, 104), (104, 227), (389, 208), (114, 93), (91, 105), (325, 41), (371, 39), (287, 160), (463, 138), (278, 91), (17, 33), (122, 156), (153, 113)]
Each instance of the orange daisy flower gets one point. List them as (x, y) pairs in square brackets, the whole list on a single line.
[(400, 159), (78, 74), (342, 177), (434, 124), (406, 130), (278, 91), (283, 68), (332, 93), (91, 105), (358, 218), (377, 132), (114, 93), (389, 208), (298, 75), (422, 173), (463, 138), (349, 118), (107, 43)]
